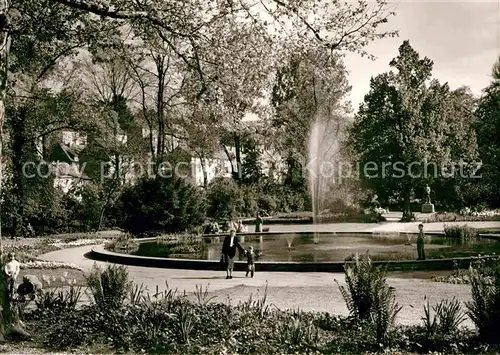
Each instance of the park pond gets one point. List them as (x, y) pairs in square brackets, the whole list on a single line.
[(324, 247)]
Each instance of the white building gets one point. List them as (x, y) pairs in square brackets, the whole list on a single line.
[(65, 165), (69, 173), (220, 165)]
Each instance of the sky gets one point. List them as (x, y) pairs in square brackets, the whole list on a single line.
[(461, 37)]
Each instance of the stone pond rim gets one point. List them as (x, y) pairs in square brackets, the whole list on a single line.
[(98, 253)]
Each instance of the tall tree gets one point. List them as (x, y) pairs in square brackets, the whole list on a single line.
[(487, 130), (308, 97), (407, 131), (160, 80), (196, 121), (44, 37)]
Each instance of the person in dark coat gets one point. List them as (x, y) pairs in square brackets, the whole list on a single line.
[(229, 246), (420, 242)]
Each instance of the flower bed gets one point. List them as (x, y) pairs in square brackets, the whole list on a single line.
[(48, 265), (77, 243), (465, 215), (479, 213)]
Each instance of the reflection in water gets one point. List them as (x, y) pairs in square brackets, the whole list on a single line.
[(210, 254), (334, 247)]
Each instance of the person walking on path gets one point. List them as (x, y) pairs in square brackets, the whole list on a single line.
[(229, 246), (420, 242), (258, 223)]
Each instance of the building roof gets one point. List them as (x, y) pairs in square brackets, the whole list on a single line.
[(63, 153)]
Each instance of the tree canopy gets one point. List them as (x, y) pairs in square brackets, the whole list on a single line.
[(410, 129)]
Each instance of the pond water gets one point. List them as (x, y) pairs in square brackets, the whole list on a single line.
[(327, 247)]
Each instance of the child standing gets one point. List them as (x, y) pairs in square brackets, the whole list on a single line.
[(250, 261), (420, 242)]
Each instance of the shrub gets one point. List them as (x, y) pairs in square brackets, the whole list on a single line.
[(460, 233), (296, 333), (109, 287), (484, 309), (267, 203), (184, 322), (448, 316), (162, 205), (58, 300), (123, 241), (337, 206), (440, 331), (385, 309), (224, 199), (368, 296), (69, 329)]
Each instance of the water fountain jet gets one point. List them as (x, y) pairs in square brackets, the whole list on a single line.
[(323, 147)]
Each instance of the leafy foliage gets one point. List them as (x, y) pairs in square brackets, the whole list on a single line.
[(161, 204), (484, 307), (462, 233), (368, 296), (422, 123), (109, 287), (486, 126), (223, 196)]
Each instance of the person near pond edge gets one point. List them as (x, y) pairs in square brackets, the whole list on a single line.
[(420, 242), (229, 246), (240, 228), (258, 223)]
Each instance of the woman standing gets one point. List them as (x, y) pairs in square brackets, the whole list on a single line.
[(229, 246), (258, 223)]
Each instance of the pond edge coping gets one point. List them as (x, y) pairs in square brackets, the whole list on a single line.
[(99, 253)]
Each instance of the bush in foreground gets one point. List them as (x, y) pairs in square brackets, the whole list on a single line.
[(168, 322), (368, 296), (484, 309)]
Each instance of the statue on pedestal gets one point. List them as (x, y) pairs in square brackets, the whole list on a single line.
[(427, 206), (427, 194)]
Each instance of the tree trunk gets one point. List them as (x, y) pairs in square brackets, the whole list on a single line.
[(117, 167), (228, 154), (406, 203), (19, 147), (4, 57), (160, 114), (237, 147), (204, 170), (101, 216)]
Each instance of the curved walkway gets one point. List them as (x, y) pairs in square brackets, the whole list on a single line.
[(307, 291)]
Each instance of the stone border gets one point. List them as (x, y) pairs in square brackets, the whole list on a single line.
[(100, 254)]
